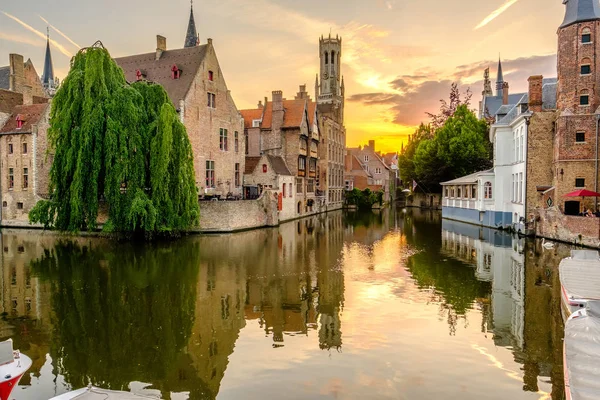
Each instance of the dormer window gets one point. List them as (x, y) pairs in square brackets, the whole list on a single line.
[(210, 76), (20, 122), (175, 72)]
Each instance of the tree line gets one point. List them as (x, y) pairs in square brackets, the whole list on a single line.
[(453, 144)]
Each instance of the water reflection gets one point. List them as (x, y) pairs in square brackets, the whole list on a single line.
[(390, 304)]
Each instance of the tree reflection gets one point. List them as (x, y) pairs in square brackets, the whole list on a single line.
[(122, 313)]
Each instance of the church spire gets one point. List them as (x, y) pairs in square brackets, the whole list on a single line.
[(48, 76), (191, 38), (500, 80)]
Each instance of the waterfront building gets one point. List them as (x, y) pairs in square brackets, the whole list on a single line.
[(268, 172), (379, 176), (501, 202), (195, 83), (288, 129)]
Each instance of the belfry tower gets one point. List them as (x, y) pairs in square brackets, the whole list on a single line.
[(330, 90)]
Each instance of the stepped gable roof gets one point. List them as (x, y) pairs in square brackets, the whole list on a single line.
[(469, 178), (9, 100), (5, 77), (30, 115), (188, 61), (251, 115), (580, 11), (293, 111), (278, 165)]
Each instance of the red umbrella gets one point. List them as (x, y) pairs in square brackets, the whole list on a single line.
[(582, 193)]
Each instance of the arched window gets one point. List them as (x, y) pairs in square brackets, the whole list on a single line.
[(586, 35), (586, 66), (332, 57), (487, 189), (326, 58)]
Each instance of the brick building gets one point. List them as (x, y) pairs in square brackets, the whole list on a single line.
[(329, 94), (21, 77), (379, 175), (289, 129), (25, 164), (195, 83)]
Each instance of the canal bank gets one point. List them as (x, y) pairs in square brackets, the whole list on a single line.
[(331, 304)]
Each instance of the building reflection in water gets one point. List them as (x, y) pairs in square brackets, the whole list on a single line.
[(524, 302), (170, 314)]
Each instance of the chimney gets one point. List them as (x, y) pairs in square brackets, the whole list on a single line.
[(161, 46), (505, 93), (535, 93), (17, 73), (372, 145), (260, 104), (277, 100), (209, 41), (348, 161), (27, 95)]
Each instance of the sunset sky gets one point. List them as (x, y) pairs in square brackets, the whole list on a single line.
[(399, 56)]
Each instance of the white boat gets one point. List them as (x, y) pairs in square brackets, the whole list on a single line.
[(582, 352), (579, 280), (95, 393), (13, 366)]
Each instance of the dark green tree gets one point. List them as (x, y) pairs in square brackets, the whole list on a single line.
[(460, 147), (406, 159), (120, 142)]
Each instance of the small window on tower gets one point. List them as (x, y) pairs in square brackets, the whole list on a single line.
[(580, 137), (584, 100), (579, 182), (326, 58), (586, 69), (586, 36)]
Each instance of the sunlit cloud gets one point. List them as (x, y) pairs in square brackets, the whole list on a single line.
[(54, 43), (59, 32), (496, 13), (21, 39)]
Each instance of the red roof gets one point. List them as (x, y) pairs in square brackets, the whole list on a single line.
[(292, 117), (251, 115), (30, 115), (312, 107)]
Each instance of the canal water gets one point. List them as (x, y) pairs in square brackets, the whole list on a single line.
[(396, 304)]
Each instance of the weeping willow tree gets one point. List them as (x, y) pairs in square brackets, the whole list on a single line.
[(120, 142)]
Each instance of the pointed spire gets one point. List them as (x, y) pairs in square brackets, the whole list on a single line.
[(499, 80), (48, 76), (192, 38)]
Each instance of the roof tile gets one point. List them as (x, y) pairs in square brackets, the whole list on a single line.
[(31, 115)]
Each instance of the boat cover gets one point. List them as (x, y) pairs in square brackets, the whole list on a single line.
[(6, 352), (582, 352), (585, 254), (94, 393), (581, 278)]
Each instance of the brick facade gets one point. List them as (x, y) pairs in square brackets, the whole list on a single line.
[(20, 151)]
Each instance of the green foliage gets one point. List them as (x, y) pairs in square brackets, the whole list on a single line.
[(460, 147), (121, 142), (406, 160), (365, 199)]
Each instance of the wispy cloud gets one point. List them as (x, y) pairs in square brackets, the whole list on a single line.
[(496, 13), (21, 39), (59, 32), (39, 34)]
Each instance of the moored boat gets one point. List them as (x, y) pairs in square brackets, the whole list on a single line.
[(579, 280), (13, 366), (94, 393), (582, 352)]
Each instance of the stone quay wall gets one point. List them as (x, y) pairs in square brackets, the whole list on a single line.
[(553, 224), (231, 216)]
